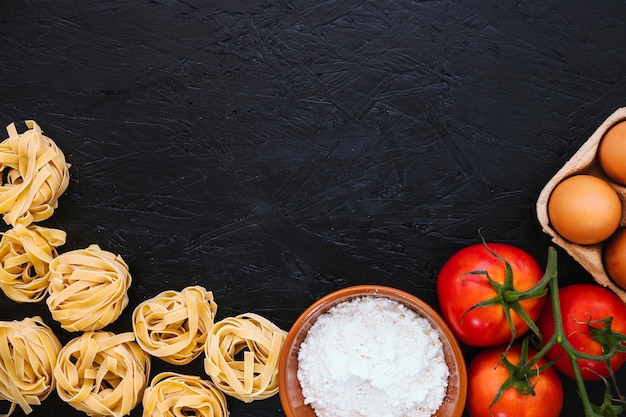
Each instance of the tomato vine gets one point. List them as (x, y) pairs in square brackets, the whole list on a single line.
[(612, 342)]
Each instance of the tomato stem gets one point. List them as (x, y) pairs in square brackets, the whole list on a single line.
[(611, 342)]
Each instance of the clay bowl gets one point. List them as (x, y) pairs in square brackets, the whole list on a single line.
[(290, 393)]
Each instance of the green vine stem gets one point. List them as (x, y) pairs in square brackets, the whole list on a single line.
[(612, 342)]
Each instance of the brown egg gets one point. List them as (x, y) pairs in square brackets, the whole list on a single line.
[(584, 209), (614, 258), (612, 153)]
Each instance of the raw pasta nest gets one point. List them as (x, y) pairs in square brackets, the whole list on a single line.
[(88, 288), (102, 373), (25, 256), (34, 175), (28, 354), (174, 395), (256, 376), (174, 325)]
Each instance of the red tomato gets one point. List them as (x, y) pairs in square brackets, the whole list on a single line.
[(457, 292), (581, 303), (485, 376)]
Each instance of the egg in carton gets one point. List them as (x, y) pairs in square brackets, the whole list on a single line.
[(585, 161)]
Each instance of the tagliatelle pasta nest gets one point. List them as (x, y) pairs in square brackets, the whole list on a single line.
[(88, 288), (259, 342), (34, 175), (25, 256), (175, 395), (102, 373), (28, 354), (174, 325)]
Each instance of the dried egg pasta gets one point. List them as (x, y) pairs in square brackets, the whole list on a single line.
[(28, 354), (260, 341), (174, 325), (88, 288), (175, 395), (35, 175), (25, 256), (102, 373)]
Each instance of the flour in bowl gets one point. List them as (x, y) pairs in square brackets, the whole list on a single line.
[(372, 356)]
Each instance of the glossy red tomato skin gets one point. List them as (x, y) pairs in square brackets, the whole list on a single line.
[(579, 304), (456, 292), (485, 377)]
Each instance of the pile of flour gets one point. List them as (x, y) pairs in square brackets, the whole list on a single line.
[(372, 356)]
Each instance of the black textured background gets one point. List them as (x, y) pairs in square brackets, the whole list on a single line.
[(275, 151)]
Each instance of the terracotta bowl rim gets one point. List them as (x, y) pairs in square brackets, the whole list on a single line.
[(307, 318)]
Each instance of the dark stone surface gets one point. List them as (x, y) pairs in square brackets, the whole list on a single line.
[(274, 151)]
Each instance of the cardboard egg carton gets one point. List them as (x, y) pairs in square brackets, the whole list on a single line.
[(584, 161)]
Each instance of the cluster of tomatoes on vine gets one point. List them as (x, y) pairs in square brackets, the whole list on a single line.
[(527, 330)]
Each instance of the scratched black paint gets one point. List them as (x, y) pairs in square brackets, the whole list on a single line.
[(274, 151)]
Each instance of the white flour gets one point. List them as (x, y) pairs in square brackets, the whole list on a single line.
[(372, 356)]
